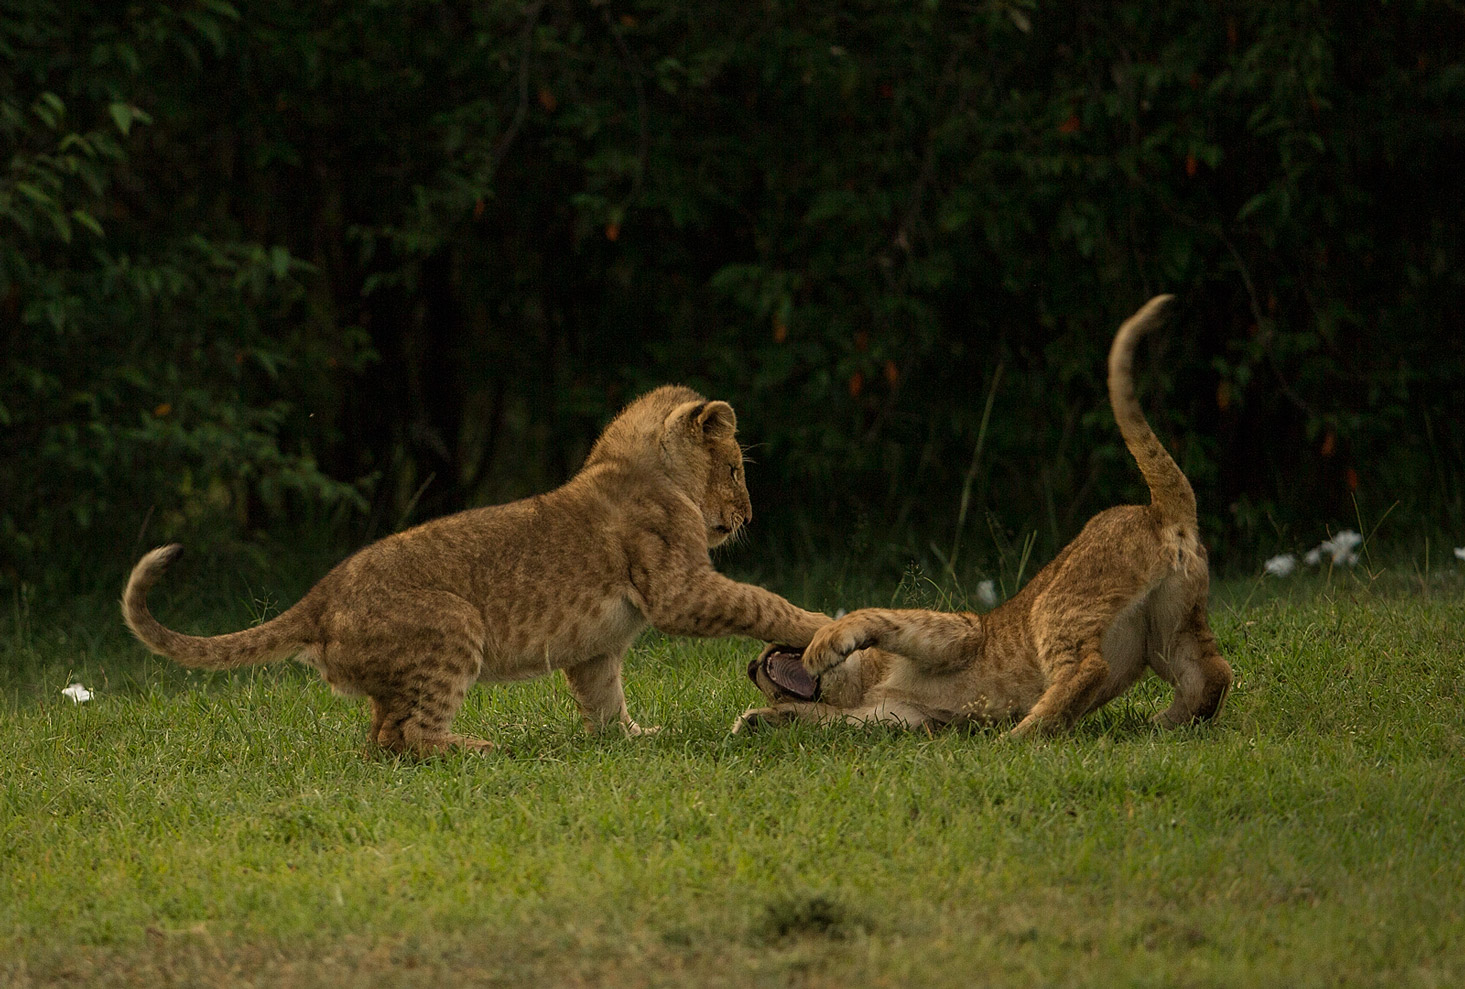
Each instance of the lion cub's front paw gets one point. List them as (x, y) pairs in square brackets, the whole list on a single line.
[(833, 644), (634, 730), (754, 718)]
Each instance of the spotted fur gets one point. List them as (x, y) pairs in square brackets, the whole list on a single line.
[(1126, 596), (562, 581)]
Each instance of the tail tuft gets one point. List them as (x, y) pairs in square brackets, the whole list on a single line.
[(134, 599), (272, 640)]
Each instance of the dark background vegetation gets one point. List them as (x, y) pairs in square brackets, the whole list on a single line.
[(275, 272)]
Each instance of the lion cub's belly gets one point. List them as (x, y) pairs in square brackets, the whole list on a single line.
[(1137, 634), (977, 694), (558, 637), (1123, 648)]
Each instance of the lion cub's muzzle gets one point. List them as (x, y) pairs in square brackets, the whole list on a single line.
[(779, 673)]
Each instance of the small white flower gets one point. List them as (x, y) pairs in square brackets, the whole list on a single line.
[(1340, 547), (77, 693), (840, 613), (1338, 550), (1460, 552), (1281, 565), (987, 594)]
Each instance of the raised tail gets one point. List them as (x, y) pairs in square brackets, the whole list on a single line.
[(1170, 491), (275, 639)]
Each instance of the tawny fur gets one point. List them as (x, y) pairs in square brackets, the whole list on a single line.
[(561, 581), (1127, 595)]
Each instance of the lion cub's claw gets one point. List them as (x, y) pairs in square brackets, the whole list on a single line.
[(833, 645), (821, 662)]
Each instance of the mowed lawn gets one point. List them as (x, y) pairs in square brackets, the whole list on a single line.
[(235, 829)]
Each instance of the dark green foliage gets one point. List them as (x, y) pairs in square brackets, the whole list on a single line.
[(156, 351), (262, 261)]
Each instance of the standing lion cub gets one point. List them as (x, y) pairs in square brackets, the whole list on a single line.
[(1129, 593), (561, 581)]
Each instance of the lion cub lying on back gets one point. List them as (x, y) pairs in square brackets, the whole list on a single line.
[(561, 581), (1128, 593)]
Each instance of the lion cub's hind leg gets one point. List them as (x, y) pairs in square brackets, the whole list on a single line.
[(1076, 676), (1089, 642), (1194, 666), (417, 667), (419, 724)]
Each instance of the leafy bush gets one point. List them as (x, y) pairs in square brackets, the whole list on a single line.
[(409, 256), (150, 370)]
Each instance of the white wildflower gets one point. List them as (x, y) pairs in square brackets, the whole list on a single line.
[(77, 693), (1340, 547), (1338, 550), (840, 613), (987, 594), (1281, 565), (1460, 552)]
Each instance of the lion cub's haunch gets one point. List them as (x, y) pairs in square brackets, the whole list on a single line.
[(560, 581), (1129, 593)]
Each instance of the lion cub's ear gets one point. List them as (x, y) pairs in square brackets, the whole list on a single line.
[(713, 420), (718, 421)]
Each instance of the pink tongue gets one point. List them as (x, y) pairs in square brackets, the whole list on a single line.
[(788, 673)]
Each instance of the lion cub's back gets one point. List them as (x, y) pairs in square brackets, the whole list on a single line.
[(550, 586)]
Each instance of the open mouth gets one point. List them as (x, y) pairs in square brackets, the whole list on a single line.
[(784, 667)]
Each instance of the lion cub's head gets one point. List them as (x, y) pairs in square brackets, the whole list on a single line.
[(701, 451), (693, 442)]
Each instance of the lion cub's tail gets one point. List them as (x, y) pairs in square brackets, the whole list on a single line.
[(275, 639), (1170, 491)]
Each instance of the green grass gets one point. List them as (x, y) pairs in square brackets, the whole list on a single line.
[(192, 828)]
